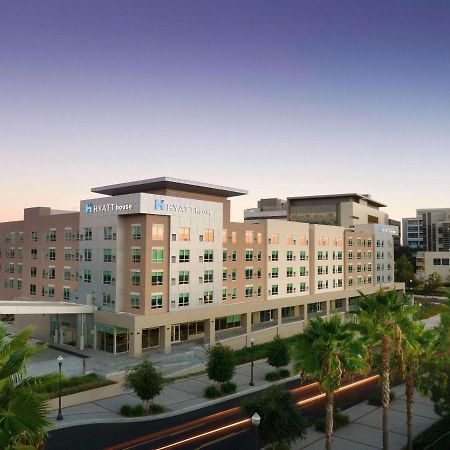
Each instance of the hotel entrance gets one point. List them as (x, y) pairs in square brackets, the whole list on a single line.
[(111, 339), (182, 332)]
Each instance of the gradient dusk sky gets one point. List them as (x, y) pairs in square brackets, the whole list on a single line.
[(281, 98)]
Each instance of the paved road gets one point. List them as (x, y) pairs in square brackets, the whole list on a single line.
[(221, 426)]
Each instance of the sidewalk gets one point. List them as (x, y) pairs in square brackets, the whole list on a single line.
[(365, 432), (178, 396)]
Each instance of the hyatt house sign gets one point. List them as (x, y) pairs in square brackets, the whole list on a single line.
[(107, 207), (161, 205)]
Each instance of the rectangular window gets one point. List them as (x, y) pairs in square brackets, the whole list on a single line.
[(183, 277), (233, 255), (87, 276), (248, 273), (135, 278), (52, 254), (134, 300), (233, 237), (156, 301), (67, 274), (289, 239), (87, 255), (289, 255), (208, 276), (107, 277), (274, 290), (208, 296), (274, 255), (33, 272), (302, 287), (184, 234), (136, 231), (34, 236), (68, 235), (157, 231), (183, 299), (259, 238), (289, 272), (51, 273), (224, 274), (32, 289), (289, 288), (248, 237), (233, 274), (107, 255), (224, 255), (67, 254), (66, 294), (51, 291), (157, 278), (233, 293), (88, 234), (288, 311), (249, 254), (259, 255), (106, 299), (249, 291), (208, 256), (184, 256), (108, 233), (208, 235), (320, 284), (274, 239), (302, 271), (157, 255), (224, 236), (274, 272), (303, 255), (52, 235), (224, 293), (136, 255)]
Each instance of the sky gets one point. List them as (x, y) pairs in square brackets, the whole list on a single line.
[(282, 98)]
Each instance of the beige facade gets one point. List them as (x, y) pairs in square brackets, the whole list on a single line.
[(429, 263), (163, 264)]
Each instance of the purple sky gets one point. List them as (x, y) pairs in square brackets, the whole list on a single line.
[(281, 98)]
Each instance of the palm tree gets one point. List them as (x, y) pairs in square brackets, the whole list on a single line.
[(328, 351), (416, 352), (380, 318), (23, 420)]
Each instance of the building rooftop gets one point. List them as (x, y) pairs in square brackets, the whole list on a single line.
[(354, 195), (157, 184)]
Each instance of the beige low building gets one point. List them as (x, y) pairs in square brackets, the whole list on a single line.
[(429, 263), (161, 263)]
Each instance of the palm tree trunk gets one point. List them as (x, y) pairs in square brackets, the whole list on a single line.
[(409, 409), (330, 410), (385, 389)]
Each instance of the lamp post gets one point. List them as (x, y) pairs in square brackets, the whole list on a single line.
[(256, 420), (60, 360), (252, 343)]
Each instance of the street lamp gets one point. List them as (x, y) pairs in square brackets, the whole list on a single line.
[(256, 420), (60, 360), (252, 343)]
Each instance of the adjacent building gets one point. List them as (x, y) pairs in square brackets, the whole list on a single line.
[(268, 208), (159, 262), (429, 263)]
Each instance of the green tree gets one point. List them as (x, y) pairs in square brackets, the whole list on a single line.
[(146, 382), (221, 365), (281, 420), (278, 353), (23, 420), (328, 351), (404, 270), (415, 355), (380, 318), (432, 283)]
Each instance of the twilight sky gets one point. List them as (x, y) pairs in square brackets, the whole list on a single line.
[(281, 98)]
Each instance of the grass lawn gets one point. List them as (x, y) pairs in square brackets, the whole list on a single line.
[(73, 385), (432, 434)]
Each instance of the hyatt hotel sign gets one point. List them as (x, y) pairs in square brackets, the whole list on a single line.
[(162, 205), (108, 207)]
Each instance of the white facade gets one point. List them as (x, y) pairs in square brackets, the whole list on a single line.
[(433, 262)]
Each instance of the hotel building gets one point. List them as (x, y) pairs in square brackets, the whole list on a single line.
[(157, 262)]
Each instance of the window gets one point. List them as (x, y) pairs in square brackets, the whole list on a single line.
[(34, 236), (249, 254), (259, 238), (339, 255), (289, 255), (224, 293), (32, 289), (88, 234), (184, 256), (319, 270), (274, 290), (302, 287), (66, 294), (157, 231), (249, 291), (289, 288), (135, 278), (436, 261), (208, 296), (107, 233), (350, 255), (288, 311), (157, 278), (67, 254), (320, 284), (222, 323), (274, 255), (52, 235), (157, 255), (248, 237), (266, 316), (134, 300), (274, 239), (233, 274), (224, 255), (67, 274), (183, 277), (358, 255), (107, 277), (350, 268), (350, 242), (156, 301), (289, 272), (224, 274), (233, 255), (51, 291), (183, 299), (289, 239), (106, 299), (87, 276), (208, 256), (248, 273), (350, 281), (445, 261), (303, 255), (208, 276), (208, 235), (51, 273), (52, 254), (87, 255), (184, 234), (33, 272), (135, 255), (224, 236), (233, 237), (136, 231), (107, 255), (233, 293), (274, 272), (259, 257), (314, 307), (259, 272), (303, 272), (68, 235), (359, 282)]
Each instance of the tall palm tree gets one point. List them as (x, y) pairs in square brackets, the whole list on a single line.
[(414, 354), (23, 420), (328, 351), (380, 318)]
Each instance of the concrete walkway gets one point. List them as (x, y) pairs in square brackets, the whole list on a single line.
[(181, 395), (365, 431)]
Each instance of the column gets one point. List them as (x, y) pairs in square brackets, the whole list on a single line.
[(210, 332), (278, 319), (135, 338), (247, 324), (328, 308), (165, 338)]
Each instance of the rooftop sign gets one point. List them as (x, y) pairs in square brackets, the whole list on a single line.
[(108, 207), (162, 205)]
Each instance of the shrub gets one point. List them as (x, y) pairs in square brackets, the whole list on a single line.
[(229, 387), (431, 434), (284, 373), (211, 392), (339, 420), (375, 398), (272, 376), (132, 411)]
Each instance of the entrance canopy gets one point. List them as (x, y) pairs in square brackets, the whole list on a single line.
[(37, 307)]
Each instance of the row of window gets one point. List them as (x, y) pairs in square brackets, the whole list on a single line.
[(360, 242), (290, 289), (48, 290)]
